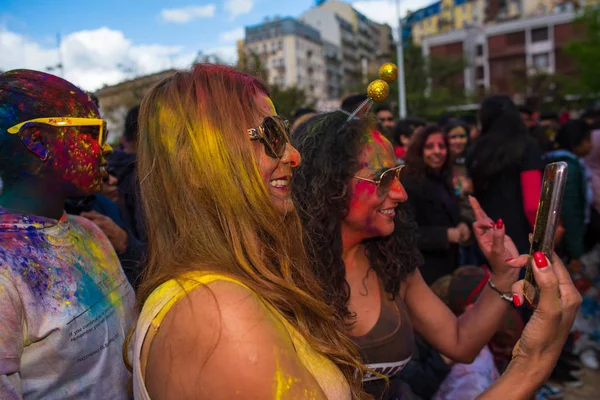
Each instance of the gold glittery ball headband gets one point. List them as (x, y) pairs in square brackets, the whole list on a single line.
[(379, 89)]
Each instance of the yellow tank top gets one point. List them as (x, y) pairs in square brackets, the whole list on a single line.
[(157, 305)]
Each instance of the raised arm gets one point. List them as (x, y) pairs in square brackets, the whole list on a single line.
[(458, 338), (544, 336), (461, 338), (221, 342)]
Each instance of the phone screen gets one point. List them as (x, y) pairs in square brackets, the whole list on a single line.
[(546, 221)]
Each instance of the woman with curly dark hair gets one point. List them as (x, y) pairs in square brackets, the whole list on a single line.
[(361, 244)]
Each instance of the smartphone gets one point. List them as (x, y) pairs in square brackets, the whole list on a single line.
[(546, 221)]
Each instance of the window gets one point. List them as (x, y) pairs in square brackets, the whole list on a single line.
[(479, 50), (539, 34), (480, 73), (541, 61)]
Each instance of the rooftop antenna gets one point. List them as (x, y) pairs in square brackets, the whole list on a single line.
[(60, 65)]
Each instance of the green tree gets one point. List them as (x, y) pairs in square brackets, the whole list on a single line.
[(585, 52), (211, 58), (251, 63), (431, 83), (289, 99)]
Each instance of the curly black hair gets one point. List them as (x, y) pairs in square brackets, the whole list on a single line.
[(330, 149)]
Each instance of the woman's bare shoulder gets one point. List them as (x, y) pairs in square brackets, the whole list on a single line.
[(221, 341)]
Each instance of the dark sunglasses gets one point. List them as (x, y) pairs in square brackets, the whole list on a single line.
[(385, 179), (274, 133)]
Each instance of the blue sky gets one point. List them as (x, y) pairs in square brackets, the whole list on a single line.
[(140, 21), (105, 42)]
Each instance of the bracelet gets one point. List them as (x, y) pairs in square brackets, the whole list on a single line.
[(503, 295)]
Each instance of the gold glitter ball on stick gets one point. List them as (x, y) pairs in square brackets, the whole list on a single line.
[(378, 90), (388, 72)]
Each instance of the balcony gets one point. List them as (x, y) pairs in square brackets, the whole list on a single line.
[(348, 42)]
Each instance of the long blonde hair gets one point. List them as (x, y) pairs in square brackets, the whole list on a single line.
[(207, 207)]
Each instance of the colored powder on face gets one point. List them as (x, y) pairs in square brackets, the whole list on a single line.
[(377, 153), (27, 95), (376, 156), (362, 190), (79, 156)]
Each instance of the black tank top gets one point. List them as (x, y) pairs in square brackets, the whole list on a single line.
[(387, 347)]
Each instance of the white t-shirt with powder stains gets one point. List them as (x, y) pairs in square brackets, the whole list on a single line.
[(65, 308)]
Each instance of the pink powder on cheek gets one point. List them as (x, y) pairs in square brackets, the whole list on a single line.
[(362, 191), (267, 167)]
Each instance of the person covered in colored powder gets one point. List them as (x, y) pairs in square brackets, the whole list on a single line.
[(230, 308), (362, 245), (65, 303)]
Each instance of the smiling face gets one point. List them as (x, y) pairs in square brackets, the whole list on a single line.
[(435, 151), (457, 141), (372, 211), (386, 118), (276, 172)]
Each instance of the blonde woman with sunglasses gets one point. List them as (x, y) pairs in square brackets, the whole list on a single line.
[(229, 308), (65, 304)]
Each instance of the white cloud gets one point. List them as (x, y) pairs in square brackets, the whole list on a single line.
[(238, 7), (186, 14), (92, 58), (232, 36), (227, 54)]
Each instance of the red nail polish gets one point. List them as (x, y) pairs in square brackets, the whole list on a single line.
[(492, 224), (500, 224), (508, 259), (516, 300), (540, 260)]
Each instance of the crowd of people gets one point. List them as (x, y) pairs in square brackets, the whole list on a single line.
[(223, 252), (500, 161)]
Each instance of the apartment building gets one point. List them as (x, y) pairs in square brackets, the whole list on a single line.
[(363, 44), (291, 52), (441, 17), (444, 16), (334, 75), (339, 32), (503, 54)]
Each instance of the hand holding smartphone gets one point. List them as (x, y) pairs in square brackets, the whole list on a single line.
[(546, 221)]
